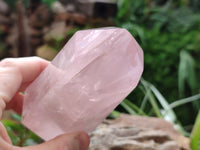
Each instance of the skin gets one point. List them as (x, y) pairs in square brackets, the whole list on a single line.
[(15, 75)]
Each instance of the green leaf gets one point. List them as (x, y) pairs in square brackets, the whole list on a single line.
[(185, 101), (19, 135), (123, 8), (114, 114), (168, 112), (48, 2), (14, 130), (16, 116), (186, 73), (151, 99), (134, 107), (195, 136), (128, 108)]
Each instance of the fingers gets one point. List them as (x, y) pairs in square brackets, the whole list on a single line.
[(3, 134), (73, 141), (5, 142), (16, 73), (16, 103)]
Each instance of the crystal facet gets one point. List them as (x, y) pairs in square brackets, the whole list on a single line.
[(89, 77)]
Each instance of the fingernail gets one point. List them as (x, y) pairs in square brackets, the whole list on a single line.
[(73, 144), (84, 141), (79, 142)]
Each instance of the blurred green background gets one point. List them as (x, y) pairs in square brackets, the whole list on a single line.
[(167, 30)]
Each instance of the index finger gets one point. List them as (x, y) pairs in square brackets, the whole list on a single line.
[(16, 72)]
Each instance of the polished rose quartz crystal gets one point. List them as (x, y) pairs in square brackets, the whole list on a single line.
[(90, 76)]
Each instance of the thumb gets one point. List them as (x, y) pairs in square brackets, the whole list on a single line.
[(72, 141)]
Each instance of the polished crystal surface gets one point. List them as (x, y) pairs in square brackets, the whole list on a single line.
[(88, 78)]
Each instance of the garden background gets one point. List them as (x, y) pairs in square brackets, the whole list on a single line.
[(167, 30)]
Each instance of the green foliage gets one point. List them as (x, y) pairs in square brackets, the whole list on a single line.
[(19, 135), (161, 57), (159, 106), (166, 30), (186, 74), (194, 4), (148, 93), (114, 114), (130, 106), (195, 136), (12, 3), (48, 2)]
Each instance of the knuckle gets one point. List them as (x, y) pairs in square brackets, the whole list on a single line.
[(3, 98), (2, 104), (7, 62)]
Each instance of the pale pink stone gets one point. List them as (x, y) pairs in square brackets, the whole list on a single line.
[(90, 76)]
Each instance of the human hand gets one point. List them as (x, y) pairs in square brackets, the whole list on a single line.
[(15, 75)]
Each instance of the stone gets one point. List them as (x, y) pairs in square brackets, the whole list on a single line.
[(130, 132), (87, 79)]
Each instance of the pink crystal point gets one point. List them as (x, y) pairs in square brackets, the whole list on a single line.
[(90, 76)]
